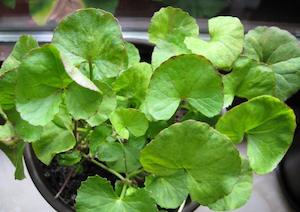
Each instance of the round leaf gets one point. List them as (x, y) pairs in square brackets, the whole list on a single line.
[(168, 29), (40, 83), (186, 77), (280, 50), (92, 38), (209, 160), (168, 192), (97, 194), (225, 45), (240, 194), (268, 125), (126, 121)]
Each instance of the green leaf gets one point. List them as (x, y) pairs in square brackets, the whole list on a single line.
[(268, 125), (130, 157), (279, 50), (7, 134), (103, 146), (9, 3), (225, 45), (190, 78), (88, 105), (168, 192), (69, 158), (54, 139), (133, 54), (97, 194), (24, 45), (92, 40), (40, 84), (168, 29), (240, 194), (8, 70), (129, 121), (248, 79), (110, 5), (40, 10), (208, 158), (133, 82), (15, 155), (23, 129)]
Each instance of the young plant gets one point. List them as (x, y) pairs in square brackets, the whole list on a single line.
[(158, 128)]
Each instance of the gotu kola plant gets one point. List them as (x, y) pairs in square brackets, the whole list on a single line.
[(87, 97)]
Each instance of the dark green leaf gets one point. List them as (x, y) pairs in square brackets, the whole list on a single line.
[(69, 158), (108, 5), (40, 10)]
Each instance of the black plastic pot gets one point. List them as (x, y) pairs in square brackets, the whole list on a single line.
[(288, 172), (35, 169)]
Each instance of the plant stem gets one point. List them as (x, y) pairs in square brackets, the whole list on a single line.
[(79, 129), (91, 69), (181, 206), (65, 183), (123, 191), (134, 173), (106, 168)]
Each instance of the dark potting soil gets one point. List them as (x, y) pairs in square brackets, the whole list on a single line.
[(56, 176)]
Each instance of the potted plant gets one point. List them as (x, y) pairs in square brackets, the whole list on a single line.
[(155, 132)]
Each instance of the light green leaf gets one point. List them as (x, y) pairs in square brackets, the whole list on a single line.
[(129, 121), (208, 158), (248, 79), (7, 134), (168, 29), (23, 129), (40, 10), (108, 5), (280, 50), (168, 192), (133, 54), (225, 45), (15, 155), (40, 83), (97, 194), (9, 3), (8, 70), (190, 78), (69, 158), (133, 82), (268, 125), (54, 140), (91, 39), (25, 44), (240, 194)]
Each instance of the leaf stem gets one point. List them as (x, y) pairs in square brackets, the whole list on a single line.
[(65, 183), (123, 191), (91, 69), (106, 168), (134, 173)]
